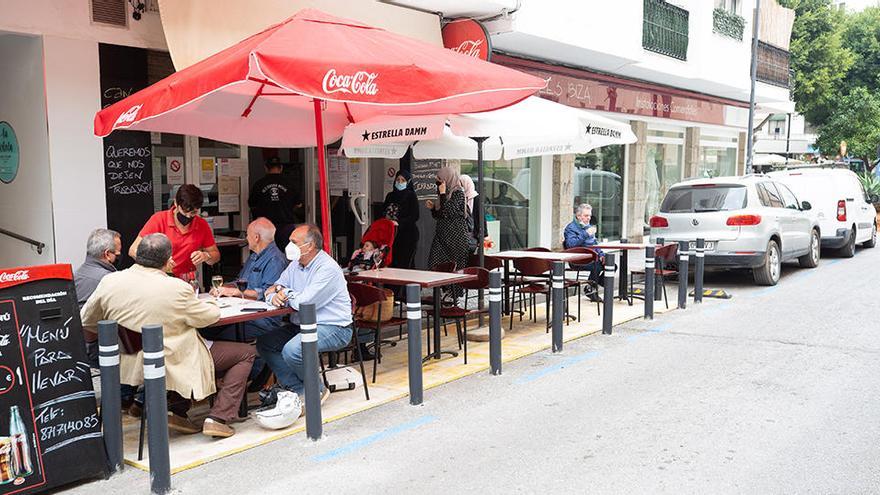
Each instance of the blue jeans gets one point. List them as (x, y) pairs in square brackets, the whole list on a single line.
[(282, 351)]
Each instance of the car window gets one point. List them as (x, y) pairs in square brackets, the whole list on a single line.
[(763, 197), (703, 198), (788, 197), (774, 200)]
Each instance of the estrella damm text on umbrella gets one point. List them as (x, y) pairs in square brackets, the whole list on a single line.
[(359, 83)]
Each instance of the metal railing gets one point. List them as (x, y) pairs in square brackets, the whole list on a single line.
[(773, 65), (665, 29), (37, 244)]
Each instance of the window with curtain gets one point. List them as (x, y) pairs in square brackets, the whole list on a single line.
[(598, 181)]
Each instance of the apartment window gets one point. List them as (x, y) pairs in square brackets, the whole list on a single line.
[(729, 5), (726, 19), (773, 65), (665, 29)]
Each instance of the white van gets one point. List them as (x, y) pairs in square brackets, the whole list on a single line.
[(845, 212)]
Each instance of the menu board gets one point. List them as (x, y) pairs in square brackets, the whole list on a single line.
[(424, 174), (50, 433)]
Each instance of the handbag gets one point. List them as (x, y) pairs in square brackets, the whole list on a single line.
[(371, 312)]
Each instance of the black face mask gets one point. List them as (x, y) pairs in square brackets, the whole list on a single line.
[(183, 219)]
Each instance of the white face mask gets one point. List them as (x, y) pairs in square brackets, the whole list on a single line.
[(292, 252)]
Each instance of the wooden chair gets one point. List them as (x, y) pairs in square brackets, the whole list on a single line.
[(460, 314), (584, 285), (532, 276), (365, 295), (489, 262), (131, 342), (664, 256), (354, 347)]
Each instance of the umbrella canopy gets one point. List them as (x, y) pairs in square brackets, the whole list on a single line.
[(532, 127), (300, 82)]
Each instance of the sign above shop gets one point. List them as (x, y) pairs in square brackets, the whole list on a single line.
[(468, 37), (9, 153)]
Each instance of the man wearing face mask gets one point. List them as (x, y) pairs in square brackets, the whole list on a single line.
[(102, 250), (579, 233), (191, 237), (313, 277)]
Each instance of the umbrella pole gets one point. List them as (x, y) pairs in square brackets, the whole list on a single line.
[(322, 177), (478, 222)]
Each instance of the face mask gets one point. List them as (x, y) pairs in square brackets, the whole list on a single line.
[(582, 224), (400, 186), (292, 252), (183, 219)]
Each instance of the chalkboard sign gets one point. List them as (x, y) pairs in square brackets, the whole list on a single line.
[(128, 155), (50, 433), (424, 174)]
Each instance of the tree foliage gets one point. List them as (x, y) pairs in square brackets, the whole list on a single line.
[(856, 120), (861, 35)]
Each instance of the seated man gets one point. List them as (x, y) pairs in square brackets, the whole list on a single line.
[(103, 248), (579, 233), (143, 295), (314, 277)]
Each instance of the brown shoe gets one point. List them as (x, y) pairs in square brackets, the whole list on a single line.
[(135, 410), (217, 430), (181, 424)]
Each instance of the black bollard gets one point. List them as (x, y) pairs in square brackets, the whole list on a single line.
[(111, 402), (649, 282), (658, 295), (700, 270), (414, 342), (156, 408), (683, 247), (308, 331), (557, 289), (608, 303), (494, 322)]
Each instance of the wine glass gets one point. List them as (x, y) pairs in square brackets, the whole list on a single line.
[(216, 283), (241, 284)]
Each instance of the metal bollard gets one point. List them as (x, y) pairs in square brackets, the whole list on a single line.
[(557, 289), (156, 408), (494, 322), (683, 247), (111, 402), (608, 303), (649, 282), (700, 270), (308, 331), (658, 295), (414, 342)]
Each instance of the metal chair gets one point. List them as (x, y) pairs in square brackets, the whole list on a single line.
[(663, 256), (533, 278), (461, 314), (366, 295), (352, 346), (584, 285)]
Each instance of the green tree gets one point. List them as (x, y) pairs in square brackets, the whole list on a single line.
[(818, 57), (855, 120), (861, 36)]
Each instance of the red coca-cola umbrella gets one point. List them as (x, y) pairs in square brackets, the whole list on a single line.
[(300, 82)]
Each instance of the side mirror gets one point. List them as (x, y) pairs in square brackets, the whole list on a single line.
[(805, 205)]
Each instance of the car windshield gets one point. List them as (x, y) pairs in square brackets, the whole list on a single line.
[(702, 198)]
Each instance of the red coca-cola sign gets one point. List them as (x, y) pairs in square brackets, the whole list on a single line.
[(15, 276), (468, 37)]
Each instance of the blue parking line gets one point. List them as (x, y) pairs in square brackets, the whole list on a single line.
[(556, 367), (363, 442), (661, 328), (658, 329)]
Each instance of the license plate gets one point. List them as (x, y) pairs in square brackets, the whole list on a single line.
[(710, 246)]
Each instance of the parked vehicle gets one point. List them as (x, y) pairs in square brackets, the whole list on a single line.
[(845, 211), (748, 222)]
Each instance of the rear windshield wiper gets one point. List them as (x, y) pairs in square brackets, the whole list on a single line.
[(705, 210)]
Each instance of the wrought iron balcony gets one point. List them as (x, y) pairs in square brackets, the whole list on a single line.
[(773, 65), (665, 29)]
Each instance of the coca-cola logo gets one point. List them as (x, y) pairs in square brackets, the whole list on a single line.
[(129, 115), (359, 83), (14, 276), (471, 48)]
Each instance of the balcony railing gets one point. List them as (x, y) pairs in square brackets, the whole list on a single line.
[(665, 29), (773, 65), (728, 23)]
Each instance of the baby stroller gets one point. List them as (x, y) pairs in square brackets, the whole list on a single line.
[(381, 233)]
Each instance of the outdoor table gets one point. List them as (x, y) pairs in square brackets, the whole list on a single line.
[(229, 241), (623, 271), (507, 256), (426, 280), (232, 311)]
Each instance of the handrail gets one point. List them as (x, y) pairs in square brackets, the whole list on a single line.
[(39, 245)]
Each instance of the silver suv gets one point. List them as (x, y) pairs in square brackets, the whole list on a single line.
[(748, 222)]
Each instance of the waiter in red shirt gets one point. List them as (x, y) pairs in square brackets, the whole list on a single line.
[(192, 241)]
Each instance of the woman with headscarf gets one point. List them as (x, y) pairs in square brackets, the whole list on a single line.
[(402, 207), (450, 234), (474, 214)]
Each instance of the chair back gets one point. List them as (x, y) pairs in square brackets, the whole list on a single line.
[(593, 256), (130, 341), (489, 262), (482, 281), (667, 253), (532, 267), (538, 249), (365, 295), (445, 267)]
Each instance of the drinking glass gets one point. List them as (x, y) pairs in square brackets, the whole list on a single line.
[(216, 283), (241, 284)]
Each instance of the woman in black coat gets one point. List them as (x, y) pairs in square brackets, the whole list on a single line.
[(402, 207)]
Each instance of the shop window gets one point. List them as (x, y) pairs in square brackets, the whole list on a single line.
[(717, 156), (663, 168), (511, 195), (598, 181)]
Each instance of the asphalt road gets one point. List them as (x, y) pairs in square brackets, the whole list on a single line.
[(773, 391)]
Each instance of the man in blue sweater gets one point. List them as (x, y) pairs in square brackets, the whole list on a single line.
[(579, 233)]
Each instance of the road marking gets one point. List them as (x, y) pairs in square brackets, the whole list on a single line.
[(556, 367), (661, 328), (658, 329), (363, 442)]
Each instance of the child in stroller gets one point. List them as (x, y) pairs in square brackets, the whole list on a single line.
[(368, 257)]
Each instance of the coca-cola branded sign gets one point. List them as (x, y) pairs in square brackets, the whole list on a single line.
[(468, 37), (18, 276), (357, 83), (15, 276)]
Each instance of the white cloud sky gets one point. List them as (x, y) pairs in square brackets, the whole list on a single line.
[(859, 4)]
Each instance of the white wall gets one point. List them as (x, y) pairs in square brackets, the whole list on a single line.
[(75, 154), (25, 204)]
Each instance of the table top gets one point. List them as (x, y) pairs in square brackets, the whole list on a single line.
[(402, 276), (226, 241), (231, 310), (627, 246), (542, 255)]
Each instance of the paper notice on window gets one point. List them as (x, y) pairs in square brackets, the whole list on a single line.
[(228, 194), (232, 167), (338, 172), (355, 176), (174, 170), (207, 171)]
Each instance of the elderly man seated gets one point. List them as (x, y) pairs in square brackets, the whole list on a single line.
[(313, 277), (579, 233), (103, 248), (145, 295)]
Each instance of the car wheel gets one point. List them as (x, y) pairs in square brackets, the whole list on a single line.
[(768, 273), (811, 259), (873, 240), (849, 250)]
